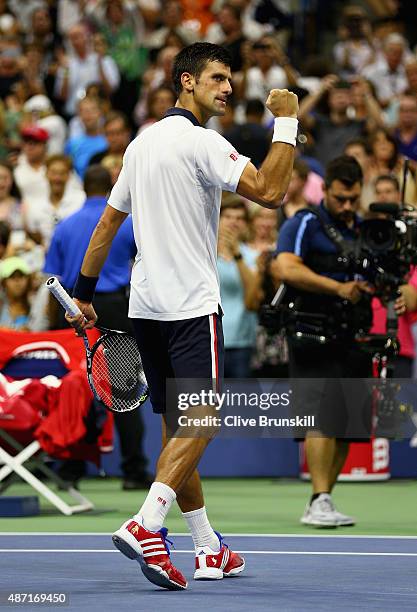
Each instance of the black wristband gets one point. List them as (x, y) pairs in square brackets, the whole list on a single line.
[(85, 287)]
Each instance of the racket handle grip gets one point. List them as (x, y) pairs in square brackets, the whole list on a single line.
[(62, 296)]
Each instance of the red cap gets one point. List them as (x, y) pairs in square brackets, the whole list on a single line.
[(34, 132)]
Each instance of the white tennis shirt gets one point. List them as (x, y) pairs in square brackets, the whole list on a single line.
[(171, 181)]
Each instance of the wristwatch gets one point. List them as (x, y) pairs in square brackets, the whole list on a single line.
[(238, 257)]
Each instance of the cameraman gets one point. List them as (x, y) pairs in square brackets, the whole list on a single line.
[(302, 244)]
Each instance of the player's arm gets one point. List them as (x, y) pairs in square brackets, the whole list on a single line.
[(94, 259), (268, 185), (101, 241)]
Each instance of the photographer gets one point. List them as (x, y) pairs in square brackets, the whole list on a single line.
[(309, 263), (332, 127)]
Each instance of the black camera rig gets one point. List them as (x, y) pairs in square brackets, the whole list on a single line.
[(382, 254)]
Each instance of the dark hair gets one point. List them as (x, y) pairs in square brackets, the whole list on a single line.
[(117, 116), (178, 41), (390, 178), (58, 157), (255, 107), (152, 95), (101, 94), (395, 151), (14, 189), (234, 202), (194, 59), (301, 168), (97, 180), (233, 9), (362, 142), (5, 231), (344, 169)]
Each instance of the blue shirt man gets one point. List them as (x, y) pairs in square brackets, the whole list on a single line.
[(304, 235), (70, 241), (341, 410), (82, 148), (308, 259)]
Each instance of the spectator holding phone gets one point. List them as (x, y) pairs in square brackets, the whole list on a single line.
[(332, 127), (236, 264)]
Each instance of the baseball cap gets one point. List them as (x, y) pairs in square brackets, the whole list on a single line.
[(34, 132), (38, 103), (10, 265)]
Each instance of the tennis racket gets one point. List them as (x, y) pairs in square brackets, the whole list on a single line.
[(114, 366)]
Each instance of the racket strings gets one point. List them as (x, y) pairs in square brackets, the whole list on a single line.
[(117, 372)]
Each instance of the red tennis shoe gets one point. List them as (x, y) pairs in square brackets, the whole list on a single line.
[(151, 551), (211, 565)]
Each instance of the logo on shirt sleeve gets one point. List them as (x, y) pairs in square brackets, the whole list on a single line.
[(234, 155)]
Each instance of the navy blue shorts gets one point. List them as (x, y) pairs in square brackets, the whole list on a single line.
[(187, 349)]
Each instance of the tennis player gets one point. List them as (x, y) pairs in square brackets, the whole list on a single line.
[(171, 182)]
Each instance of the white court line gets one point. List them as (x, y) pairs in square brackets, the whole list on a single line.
[(244, 552), (228, 535)]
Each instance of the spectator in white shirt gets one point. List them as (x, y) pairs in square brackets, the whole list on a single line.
[(84, 66), (29, 172), (45, 116), (271, 69), (58, 201), (173, 21), (388, 72)]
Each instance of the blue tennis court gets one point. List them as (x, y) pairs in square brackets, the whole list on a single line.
[(288, 573)]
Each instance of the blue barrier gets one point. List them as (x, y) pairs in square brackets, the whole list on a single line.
[(248, 457)]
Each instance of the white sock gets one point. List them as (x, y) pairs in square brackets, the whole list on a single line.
[(156, 506), (201, 530)]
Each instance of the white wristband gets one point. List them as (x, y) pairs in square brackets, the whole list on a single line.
[(285, 130)]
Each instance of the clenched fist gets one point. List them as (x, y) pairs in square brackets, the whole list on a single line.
[(282, 103)]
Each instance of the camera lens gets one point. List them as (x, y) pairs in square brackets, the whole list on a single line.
[(378, 235)]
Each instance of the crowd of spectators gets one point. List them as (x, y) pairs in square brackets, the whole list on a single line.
[(79, 79)]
